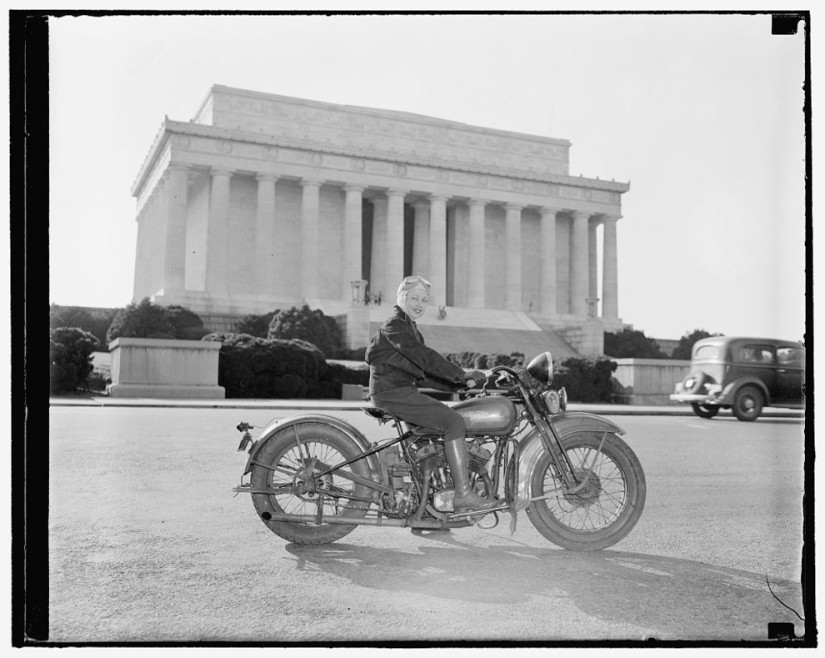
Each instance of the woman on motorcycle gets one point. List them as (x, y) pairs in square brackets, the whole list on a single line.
[(399, 362)]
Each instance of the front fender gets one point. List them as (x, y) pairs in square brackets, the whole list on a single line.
[(531, 447), (277, 425)]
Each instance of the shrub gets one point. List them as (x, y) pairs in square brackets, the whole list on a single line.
[(255, 325), (586, 379), (147, 320), (631, 344), (479, 361), (251, 367), (70, 355), (95, 322), (685, 347), (309, 325), (186, 325)]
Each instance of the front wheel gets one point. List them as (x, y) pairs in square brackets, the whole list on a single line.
[(705, 410), (285, 480), (602, 512)]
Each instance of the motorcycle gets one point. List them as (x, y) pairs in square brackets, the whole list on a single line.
[(314, 478)]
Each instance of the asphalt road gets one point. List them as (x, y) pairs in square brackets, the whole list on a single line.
[(148, 543)]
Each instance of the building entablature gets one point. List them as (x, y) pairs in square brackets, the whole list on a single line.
[(197, 146)]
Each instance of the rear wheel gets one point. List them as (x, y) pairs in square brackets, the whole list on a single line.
[(705, 411), (602, 512), (288, 472), (748, 404)]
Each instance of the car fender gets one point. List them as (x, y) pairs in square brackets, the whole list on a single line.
[(277, 425), (732, 388), (531, 447)]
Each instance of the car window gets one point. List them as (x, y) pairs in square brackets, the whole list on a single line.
[(706, 352), (791, 356), (754, 354)]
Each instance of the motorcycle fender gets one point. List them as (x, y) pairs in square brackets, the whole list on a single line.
[(531, 447), (277, 425)]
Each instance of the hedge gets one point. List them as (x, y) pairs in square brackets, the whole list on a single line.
[(273, 368), (70, 355)]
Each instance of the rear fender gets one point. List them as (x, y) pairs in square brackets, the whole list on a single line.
[(531, 447), (729, 394), (277, 425)]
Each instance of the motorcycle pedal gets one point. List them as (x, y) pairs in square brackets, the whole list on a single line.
[(480, 512)]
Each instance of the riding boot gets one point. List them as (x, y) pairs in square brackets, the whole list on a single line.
[(465, 498)]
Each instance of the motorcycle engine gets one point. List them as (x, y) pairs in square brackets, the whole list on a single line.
[(431, 457), (403, 500)]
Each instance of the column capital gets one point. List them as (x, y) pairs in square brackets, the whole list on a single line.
[(422, 204), (610, 218), (439, 197), (581, 214), (396, 193), (264, 177), (217, 171), (311, 182), (477, 202), (352, 187), (177, 166), (514, 206)]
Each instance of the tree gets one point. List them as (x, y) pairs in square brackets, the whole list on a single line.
[(685, 347), (186, 325), (141, 320), (96, 323), (309, 325), (631, 344)]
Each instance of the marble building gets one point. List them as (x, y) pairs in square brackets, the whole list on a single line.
[(264, 201)]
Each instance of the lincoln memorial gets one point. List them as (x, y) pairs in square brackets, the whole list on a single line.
[(262, 202)]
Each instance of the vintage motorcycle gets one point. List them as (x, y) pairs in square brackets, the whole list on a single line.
[(313, 478)]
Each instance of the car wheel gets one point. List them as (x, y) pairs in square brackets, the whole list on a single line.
[(705, 411), (748, 404)]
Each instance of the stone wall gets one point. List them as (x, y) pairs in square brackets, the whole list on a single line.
[(647, 381)]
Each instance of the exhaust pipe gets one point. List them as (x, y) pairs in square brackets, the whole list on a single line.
[(427, 524)]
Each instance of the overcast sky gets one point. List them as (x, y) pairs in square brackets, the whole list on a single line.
[(701, 114)]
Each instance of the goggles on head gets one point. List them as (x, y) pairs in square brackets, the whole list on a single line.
[(411, 282)]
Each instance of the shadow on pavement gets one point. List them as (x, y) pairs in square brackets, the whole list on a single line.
[(676, 599)]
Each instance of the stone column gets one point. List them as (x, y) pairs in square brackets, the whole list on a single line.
[(395, 243), (309, 237), (475, 273), (512, 273), (593, 258), (421, 240), (610, 271), (352, 239), (378, 257), (579, 265), (217, 249), (547, 284), (438, 250), (174, 262), (265, 234)]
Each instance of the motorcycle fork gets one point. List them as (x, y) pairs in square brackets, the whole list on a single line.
[(552, 443)]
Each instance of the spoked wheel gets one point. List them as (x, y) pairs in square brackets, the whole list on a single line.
[(601, 512), (287, 469), (705, 411), (748, 404)]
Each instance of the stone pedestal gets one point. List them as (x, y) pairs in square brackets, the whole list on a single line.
[(156, 368), (355, 327)]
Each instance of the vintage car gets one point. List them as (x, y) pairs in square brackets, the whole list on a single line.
[(743, 374)]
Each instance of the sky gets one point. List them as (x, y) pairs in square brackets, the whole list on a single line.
[(701, 114)]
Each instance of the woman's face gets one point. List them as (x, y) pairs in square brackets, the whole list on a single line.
[(416, 303)]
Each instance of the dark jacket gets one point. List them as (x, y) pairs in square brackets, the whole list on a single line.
[(398, 357)]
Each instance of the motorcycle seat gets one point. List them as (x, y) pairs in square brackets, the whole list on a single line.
[(384, 416)]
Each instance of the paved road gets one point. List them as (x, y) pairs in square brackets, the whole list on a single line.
[(147, 543)]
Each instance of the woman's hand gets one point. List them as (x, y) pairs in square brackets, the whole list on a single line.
[(474, 379)]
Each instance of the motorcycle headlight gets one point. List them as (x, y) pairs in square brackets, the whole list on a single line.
[(541, 368), (553, 401)]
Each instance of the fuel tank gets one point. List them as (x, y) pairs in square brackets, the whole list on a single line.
[(491, 415)]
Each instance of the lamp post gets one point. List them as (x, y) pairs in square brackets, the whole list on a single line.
[(358, 288)]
